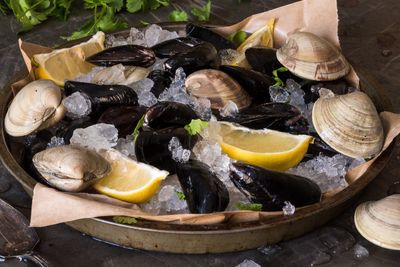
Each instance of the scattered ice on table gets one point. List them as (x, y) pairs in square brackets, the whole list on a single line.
[(179, 154), (56, 141), (143, 90), (229, 110), (279, 94), (327, 172), (159, 64), (248, 263), (126, 146), (320, 258), (269, 249), (324, 93), (336, 239), (78, 105), (88, 77), (288, 209), (228, 56), (360, 252), (98, 136), (154, 34)]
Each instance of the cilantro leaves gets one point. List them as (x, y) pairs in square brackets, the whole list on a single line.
[(196, 126)]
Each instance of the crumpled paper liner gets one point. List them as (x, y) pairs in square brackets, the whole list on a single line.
[(50, 206)]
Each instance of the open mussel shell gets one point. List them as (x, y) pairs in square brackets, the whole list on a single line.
[(168, 114), (208, 35), (119, 74), (312, 57), (262, 59), (151, 147), (36, 106), (272, 189), (199, 57), (349, 124), (161, 79), (218, 87), (132, 55), (204, 191), (175, 46), (71, 168), (379, 221)]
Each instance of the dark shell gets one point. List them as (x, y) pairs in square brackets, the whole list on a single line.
[(131, 55), (175, 46), (208, 35), (338, 87), (255, 83), (103, 96), (124, 118), (168, 114), (317, 148), (272, 189), (199, 57), (161, 79), (204, 191), (151, 147)]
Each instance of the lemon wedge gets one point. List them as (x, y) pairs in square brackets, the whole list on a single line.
[(129, 180), (67, 63), (261, 37), (268, 149)]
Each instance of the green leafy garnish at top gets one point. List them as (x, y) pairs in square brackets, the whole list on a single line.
[(248, 206), (181, 195), (178, 15), (196, 126), (124, 220), (137, 128), (238, 37), (134, 6), (202, 13), (278, 81)]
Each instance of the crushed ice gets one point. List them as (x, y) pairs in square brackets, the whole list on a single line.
[(269, 249), (288, 209), (179, 154), (56, 141), (78, 105), (126, 146), (248, 263), (143, 89), (360, 252), (229, 110), (98, 136)]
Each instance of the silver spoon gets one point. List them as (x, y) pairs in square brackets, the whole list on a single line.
[(17, 239)]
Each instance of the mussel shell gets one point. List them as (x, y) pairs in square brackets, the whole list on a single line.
[(199, 57), (272, 189), (161, 79), (175, 46), (204, 191), (262, 59), (208, 35), (103, 96), (168, 114), (338, 87), (132, 55), (124, 118), (253, 82), (151, 147)]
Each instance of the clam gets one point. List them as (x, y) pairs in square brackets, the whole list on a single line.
[(312, 57), (379, 221), (218, 87), (71, 168), (349, 124), (119, 74), (36, 106)]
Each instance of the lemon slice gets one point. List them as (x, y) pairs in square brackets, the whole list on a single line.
[(67, 63), (261, 37), (268, 149), (129, 180)]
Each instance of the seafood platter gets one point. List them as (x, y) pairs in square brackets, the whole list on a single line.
[(180, 120)]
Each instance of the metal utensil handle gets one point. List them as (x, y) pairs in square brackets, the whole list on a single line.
[(36, 258)]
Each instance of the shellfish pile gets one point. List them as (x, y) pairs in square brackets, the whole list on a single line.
[(160, 104)]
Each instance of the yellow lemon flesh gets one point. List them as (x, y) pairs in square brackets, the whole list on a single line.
[(129, 180), (67, 63), (268, 149)]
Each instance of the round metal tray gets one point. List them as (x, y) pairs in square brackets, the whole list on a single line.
[(217, 238)]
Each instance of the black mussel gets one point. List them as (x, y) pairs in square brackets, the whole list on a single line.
[(175, 46), (204, 191), (132, 55), (102, 96), (124, 118), (208, 35), (255, 83), (317, 148), (168, 114), (201, 56), (151, 147), (272, 189), (311, 88), (161, 79)]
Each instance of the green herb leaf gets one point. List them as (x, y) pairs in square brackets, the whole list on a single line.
[(181, 195), (109, 22), (196, 126), (177, 15), (203, 13), (278, 81), (145, 23), (134, 6), (238, 37), (249, 206), (137, 128), (124, 220)]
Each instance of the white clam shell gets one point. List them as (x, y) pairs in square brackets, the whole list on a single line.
[(71, 168), (312, 57), (119, 74), (36, 106), (379, 221), (349, 124)]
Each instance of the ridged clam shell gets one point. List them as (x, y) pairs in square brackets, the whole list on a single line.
[(312, 57), (36, 106), (218, 87), (379, 221), (71, 168), (349, 124)]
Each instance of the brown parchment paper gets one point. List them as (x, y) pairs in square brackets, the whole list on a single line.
[(50, 206)]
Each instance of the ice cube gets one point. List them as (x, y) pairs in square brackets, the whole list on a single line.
[(98, 136), (279, 94), (360, 252), (88, 77), (78, 105), (202, 107), (269, 249), (126, 146), (56, 141), (229, 110), (159, 64), (177, 91), (136, 37), (112, 40), (154, 34), (288, 209), (248, 263), (179, 154), (142, 89)]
